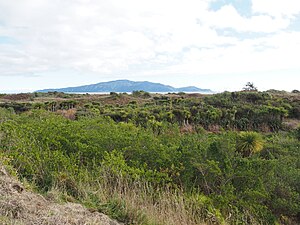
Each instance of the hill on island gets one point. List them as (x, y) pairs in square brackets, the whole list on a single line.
[(127, 86)]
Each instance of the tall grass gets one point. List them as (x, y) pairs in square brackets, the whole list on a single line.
[(138, 202)]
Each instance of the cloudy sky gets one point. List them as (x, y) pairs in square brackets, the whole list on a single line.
[(217, 44)]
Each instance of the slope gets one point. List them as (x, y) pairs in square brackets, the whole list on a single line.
[(19, 206)]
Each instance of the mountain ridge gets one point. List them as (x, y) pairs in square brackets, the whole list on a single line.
[(127, 86)]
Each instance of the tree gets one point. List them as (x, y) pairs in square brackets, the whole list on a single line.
[(249, 142), (250, 87)]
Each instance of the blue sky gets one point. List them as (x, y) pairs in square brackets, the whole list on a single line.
[(216, 44)]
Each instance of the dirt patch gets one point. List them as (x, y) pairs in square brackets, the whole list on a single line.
[(19, 206)]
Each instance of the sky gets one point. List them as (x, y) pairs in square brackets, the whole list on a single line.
[(216, 44)]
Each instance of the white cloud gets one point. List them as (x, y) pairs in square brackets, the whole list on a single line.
[(102, 36), (278, 52), (144, 38), (277, 8), (228, 17)]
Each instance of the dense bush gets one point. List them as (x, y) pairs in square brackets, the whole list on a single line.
[(222, 158)]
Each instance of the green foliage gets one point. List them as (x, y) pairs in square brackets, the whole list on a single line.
[(142, 94), (297, 133), (249, 143), (232, 174)]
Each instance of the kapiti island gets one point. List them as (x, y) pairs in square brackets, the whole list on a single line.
[(126, 86)]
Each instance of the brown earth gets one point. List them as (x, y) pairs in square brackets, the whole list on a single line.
[(21, 207)]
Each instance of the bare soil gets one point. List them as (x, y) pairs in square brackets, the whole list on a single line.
[(19, 206)]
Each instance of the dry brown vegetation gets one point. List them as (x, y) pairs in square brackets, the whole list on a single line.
[(17, 97), (163, 206), (19, 206)]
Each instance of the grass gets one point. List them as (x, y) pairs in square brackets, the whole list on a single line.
[(130, 202), (137, 202)]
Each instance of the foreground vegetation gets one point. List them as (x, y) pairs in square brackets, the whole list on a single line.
[(230, 158)]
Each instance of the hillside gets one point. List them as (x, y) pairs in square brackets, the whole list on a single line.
[(19, 206), (127, 86)]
